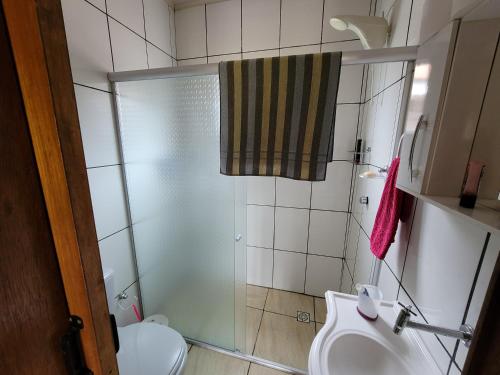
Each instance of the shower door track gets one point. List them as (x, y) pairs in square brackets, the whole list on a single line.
[(371, 56), (248, 357)]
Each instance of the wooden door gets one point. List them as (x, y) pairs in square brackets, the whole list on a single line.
[(34, 315)]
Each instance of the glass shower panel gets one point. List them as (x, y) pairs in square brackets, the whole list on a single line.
[(185, 214)]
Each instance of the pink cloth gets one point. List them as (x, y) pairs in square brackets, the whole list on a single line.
[(388, 214)]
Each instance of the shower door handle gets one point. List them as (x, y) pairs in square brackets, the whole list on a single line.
[(238, 238)]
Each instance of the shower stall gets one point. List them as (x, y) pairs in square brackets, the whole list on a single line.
[(188, 220)]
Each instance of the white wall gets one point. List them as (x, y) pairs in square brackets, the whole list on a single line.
[(439, 262), (105, 36), (296, 229)]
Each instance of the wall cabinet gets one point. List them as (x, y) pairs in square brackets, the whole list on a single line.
[(445, 115)]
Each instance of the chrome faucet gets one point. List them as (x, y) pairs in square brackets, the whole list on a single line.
[(404, 320)]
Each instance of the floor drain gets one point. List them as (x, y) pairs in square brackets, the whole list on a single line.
[(303, 317)]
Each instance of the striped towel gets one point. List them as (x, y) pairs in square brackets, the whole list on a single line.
[(278, 115)]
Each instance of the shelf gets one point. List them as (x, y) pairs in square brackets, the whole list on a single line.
[(484, 214)]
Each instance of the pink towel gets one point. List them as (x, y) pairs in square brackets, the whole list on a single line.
[(389, 210)]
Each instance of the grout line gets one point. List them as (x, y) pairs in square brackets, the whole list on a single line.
[(112, 234), (145, 34), (473, 287), (104, 166), (274, 228), (407, 246), (206, 33), (90, 87), (139, 35), (260, 324), (297, 208), (308, 234), (109, 36)]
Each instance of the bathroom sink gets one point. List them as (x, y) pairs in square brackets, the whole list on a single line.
[(351, 345)]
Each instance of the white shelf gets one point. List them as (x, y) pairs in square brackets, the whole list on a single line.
[(483, 214)]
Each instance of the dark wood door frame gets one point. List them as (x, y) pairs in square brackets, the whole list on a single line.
[(38, 42)]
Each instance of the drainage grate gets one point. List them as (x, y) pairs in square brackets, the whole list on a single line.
[(303, 317)]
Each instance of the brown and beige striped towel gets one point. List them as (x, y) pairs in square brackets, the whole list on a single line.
[(278, 115)]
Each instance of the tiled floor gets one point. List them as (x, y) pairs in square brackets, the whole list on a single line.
[(273, 333)]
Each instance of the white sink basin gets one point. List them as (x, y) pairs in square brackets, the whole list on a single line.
[(348, 344)]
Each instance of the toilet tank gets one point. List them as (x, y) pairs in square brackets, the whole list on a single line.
[(110, 288)]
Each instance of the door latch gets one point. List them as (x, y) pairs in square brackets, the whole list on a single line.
[(72, 348)]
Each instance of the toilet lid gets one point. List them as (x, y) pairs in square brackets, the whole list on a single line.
[(149, 348)]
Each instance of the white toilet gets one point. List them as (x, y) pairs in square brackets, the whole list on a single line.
[(146, 348)]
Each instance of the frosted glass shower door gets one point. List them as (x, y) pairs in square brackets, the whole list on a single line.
[(186, 216)]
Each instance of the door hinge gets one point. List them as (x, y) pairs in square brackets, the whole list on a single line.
[(72, 348)]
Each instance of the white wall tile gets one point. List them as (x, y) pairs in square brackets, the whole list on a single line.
[(190, 32), (261, 24), (346, 122), (387, 283), (489, 261), (260, 266), (364, 260), (88, 43), (322, 274), (224, 27), (126, 315), (129, 50), (301, 22), (438, 353), (260, 226), (157, 58), (261, 54), (157, 16), (399, 18), (219, 58), (352, 244), (386, 121), (327, 233), (95, 112), (116, 253), (351, 76), (101, 4), (289, 271), (442, 246), (333, 193), (293, 193), (108, 200), (197, 61), (128, 12), (291, 229), (350, 84), (304, 50), (260, 190), (341, 7)]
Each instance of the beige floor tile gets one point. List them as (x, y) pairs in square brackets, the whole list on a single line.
[(288, 303), (318, 326), (189, 347), (256, 296), (253, 321), (262, 370), (284, 340), (320, 309), (207, 362)]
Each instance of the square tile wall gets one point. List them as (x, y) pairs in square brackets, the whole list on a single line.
[(279, 210), (105, 36)]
